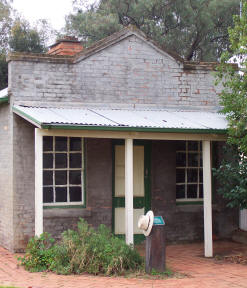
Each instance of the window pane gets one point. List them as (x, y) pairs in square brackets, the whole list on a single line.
[(201, 176), (181, 145), (200, 159), (60, 177), (75, 144), (180, 191), (75, 194), (47, 194), (61, 143), (192, 191), (181, 159), (193, 159), (48, 160), (47, 177), (75, 160), (75, 177), (61, 160), (61, 194), (193, 145), (192, 175), (200, 190), (47, 143), (180, 175)]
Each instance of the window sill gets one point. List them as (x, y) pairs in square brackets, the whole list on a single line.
[(66, 212), (181, 203)]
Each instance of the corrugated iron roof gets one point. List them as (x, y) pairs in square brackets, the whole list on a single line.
[(4, 95), (121, 118)]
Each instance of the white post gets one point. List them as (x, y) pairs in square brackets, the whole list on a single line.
[(38, 182), (129, 237), (207, 201)]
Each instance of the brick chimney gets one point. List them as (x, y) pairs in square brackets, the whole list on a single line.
[(69, 45)]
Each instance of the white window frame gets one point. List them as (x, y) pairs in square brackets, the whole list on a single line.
[(186, 167), (82, 169)]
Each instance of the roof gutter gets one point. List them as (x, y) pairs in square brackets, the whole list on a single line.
[(133, 129)]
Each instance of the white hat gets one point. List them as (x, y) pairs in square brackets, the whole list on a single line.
[(145, 222)]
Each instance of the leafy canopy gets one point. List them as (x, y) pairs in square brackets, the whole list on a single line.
[(5, 26), (24, 38), (17, 35), (233, 171), (195, 29)]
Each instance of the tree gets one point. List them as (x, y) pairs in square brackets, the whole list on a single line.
[(3, 71), (5, 26), (195, 29), (24, 38), (21, 37), (233, 172)]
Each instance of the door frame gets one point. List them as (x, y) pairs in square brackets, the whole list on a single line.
[(137, 201)]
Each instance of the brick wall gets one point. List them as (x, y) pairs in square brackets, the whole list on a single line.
[(185, 222), (6, 178), (130, 72), (23, 181), (98, 192)]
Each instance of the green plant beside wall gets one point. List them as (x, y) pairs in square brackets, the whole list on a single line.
[(232, 173), (83, 250)]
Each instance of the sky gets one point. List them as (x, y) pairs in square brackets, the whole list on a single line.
[(53, 10)]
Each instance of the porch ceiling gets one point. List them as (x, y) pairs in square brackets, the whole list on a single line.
[(124, 120)]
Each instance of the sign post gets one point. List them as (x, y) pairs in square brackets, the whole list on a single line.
[(155, 247)]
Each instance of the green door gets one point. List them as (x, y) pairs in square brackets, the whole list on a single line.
[(141, 191)]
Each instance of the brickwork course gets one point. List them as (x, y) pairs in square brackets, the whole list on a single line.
[(195, 272)]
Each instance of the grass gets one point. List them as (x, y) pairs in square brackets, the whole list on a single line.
[(8, 287), (141, 274)]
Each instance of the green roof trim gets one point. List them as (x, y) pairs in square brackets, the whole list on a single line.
[(132, 129), (21, 113), (4, 99)]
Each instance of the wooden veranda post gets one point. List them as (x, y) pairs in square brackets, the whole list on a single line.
[(129, 234), (207, 199), (38, 182)]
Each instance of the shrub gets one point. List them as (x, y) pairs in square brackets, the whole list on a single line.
[(83, 250), (39, 253)]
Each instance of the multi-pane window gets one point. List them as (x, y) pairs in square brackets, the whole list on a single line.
[(63, 170), (189, 177)]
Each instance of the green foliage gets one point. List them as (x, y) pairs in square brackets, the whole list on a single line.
[(39, 254), (84, 250), (233, 172), (5, 24), (167, 273), (3, 71), (8, 287), (195, 29), (23, 38)]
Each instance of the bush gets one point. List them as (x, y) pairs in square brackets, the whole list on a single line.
[(84, 250), (39, 253)]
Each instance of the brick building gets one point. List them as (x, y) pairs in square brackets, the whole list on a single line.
[(122, 123)]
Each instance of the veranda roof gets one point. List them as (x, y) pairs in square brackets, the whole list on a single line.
[(4, 95), (124, 120)]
